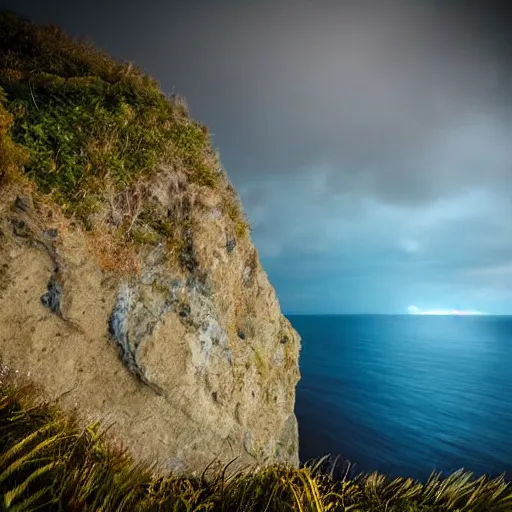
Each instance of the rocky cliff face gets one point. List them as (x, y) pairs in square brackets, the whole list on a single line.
[(150, 310)]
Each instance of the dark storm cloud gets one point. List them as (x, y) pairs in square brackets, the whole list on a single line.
[(370, 140), (397, 98)]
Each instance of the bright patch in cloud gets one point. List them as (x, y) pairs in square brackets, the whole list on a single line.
[(414, 310), (410, 246)]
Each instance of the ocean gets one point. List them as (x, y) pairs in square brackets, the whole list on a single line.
[(407, 395)]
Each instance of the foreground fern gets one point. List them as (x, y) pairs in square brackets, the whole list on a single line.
[(48, 463)]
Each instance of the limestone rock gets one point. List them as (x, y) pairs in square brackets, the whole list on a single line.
[(189, 361), (129, 286)]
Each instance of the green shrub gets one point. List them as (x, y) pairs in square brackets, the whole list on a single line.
[(86, 118)]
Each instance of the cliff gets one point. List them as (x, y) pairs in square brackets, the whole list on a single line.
[(130, 290)]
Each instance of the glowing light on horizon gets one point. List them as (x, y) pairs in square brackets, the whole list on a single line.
[(414, 310)]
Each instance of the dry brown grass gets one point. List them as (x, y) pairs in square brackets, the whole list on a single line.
[(233, 209), (112, 252)]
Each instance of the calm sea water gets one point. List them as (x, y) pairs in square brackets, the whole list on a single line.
[(407, 394)]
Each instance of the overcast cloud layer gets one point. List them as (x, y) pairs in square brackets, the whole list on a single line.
[(370, 140)]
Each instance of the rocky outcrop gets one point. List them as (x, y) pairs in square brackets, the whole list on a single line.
[(130, 290), (187, 362)]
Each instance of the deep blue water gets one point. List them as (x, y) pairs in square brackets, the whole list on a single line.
[(407, 395)]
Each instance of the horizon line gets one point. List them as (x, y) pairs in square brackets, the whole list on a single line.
[(395, 314)]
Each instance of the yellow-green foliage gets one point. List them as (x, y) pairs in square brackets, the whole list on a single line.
[(261, 366), (48, 463), (234, 211), (12, 156), (88, 119)]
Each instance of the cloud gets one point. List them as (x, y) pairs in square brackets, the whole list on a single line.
[(502, 270), (398, 99), (369, 139)]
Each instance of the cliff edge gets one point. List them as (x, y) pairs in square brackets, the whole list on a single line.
[(130, 290)]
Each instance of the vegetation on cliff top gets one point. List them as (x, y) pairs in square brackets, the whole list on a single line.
[(90, 127), (48, 463), (86, 118)]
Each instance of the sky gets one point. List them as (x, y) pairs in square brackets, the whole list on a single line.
[(369, 139)]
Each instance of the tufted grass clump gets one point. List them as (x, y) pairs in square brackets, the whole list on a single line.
[(233, 209), (12, 155), (88, 120), (48, 462)]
